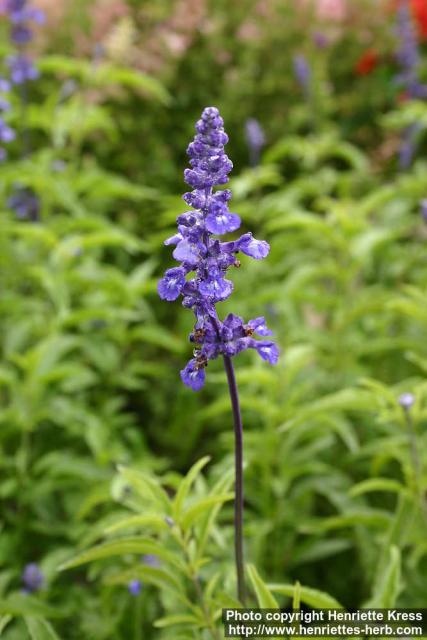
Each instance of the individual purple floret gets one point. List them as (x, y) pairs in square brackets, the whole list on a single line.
[(32, 578), (406, 400), (408, 55), (207, 258), (134, 587), (255, 139)]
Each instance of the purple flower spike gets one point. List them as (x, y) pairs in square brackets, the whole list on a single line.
[(7, 134), (21, 69), (21, 34), (205, 259), (13, 6), (19, 16), (408, 54), (302, 72), (255, 135), (20, 66), (255, 138)]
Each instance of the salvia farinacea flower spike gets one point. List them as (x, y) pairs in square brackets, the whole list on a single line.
[(408, 54), (21, 14), (201, 277), (201, 281), (7, 134)]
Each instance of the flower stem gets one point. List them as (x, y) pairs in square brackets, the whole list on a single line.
[(238, 499), (137, 631), (416, 462)]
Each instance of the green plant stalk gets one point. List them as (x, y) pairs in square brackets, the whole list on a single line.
[(238, 461), (416, 462), (211, 627), (137, 632), (196, 582)]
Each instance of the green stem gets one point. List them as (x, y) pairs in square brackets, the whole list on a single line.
[(209, 621), (416, 462), (137, 629), (196, 582)]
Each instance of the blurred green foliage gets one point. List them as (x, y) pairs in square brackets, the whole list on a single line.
[(98, 435)]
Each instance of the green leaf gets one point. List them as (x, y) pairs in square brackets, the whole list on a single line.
[(159, 577), (185, 485), (265, 598), (146, 487), (152, 575), (105, 74), (169, 621), (133, 79), (159, 337), (4, 621), (18, 604), (226, 601), (40, 629), (139, 521), (120, 548), (314, 549), (311, 597), (376, 484), (206, 526), (388, 583), (196, 510), (369, 517)]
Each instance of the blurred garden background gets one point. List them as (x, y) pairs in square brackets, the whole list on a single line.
[(102, 533)]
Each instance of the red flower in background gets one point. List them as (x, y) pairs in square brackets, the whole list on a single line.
[(367, 63), (419, 9)]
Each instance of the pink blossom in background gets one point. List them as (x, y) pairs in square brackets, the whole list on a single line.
[(333, 10), (248, 31)]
